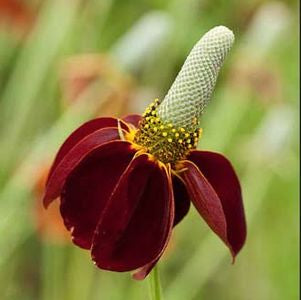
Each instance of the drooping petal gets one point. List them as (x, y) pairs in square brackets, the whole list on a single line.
[(137, 221), (182, 205), (73, 157), (89, 186), (82, 132), (132, 119), (205, 199), (221, 176), (181, 198)]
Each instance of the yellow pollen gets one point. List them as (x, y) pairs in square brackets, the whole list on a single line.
[(164, 141)]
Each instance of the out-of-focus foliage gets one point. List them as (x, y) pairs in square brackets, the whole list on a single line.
[(63, 62)]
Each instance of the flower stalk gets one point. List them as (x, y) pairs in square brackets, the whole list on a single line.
[(154, 285)]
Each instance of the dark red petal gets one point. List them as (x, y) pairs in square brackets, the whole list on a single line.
[(89, 186), (221, 175), (80, 133), (205, 199), (73, 157), (137, 221), (181, 198), (182, 205), (132, 119)]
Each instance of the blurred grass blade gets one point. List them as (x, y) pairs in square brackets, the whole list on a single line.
[(19, 187), (19, 97), (147, 34)]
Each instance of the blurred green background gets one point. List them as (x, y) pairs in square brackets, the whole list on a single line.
[(65, 61)]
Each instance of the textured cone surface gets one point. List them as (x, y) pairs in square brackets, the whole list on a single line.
[(192, 89)]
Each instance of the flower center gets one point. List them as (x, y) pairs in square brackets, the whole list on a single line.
[(166, 142)]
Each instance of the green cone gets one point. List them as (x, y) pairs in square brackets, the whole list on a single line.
[(192, 89)]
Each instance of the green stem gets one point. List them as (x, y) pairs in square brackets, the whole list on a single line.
[(155, 291)]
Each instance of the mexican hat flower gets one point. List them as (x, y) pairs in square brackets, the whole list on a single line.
[(125, 183)]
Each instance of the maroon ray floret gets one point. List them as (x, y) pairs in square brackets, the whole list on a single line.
[(121, 203)]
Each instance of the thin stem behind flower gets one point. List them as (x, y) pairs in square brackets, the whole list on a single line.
[(155, 291)]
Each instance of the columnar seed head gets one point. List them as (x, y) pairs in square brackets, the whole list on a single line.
[(192, 89)]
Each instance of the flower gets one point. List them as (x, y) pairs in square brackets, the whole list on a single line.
[(18, 15), (125, 183)]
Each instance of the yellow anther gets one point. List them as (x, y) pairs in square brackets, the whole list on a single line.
[(158, 137)]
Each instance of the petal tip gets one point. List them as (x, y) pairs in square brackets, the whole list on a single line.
[(138, 276), (46, 201), (233, 259)]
